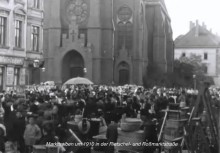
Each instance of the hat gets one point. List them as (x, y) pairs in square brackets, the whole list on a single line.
[(30, 114), (52, 94)]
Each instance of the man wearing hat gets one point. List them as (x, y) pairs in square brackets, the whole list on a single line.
[(148, 117)]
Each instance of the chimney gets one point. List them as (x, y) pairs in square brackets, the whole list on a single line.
[(197, 29), (191, 25)]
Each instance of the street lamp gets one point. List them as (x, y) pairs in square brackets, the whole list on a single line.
[(194, 80), (43, 69), (36, 63), (85, 71)]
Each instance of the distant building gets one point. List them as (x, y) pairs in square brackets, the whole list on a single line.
[(21, 39), (107, 41), (202, 42)]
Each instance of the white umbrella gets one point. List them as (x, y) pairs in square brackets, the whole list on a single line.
[(78, 80)]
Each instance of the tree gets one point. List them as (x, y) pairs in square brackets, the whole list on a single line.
[(182, 76), (186, 67)]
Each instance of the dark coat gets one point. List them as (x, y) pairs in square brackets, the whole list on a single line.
[(112, 136), (112, 133), (9, 126), (2, 144), (19, 125)]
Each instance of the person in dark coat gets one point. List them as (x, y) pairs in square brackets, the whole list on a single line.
[(9, 118), (90, 106), (148, 116), (112, 134), (109, 108), (129, 110), (19, 127), (34, 108)]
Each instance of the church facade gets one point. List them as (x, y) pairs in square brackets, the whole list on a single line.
[(107, 41)]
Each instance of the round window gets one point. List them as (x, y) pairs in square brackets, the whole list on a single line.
[(77, 11), (124, 13)]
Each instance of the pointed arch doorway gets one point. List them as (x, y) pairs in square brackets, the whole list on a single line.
[(72, 65), (123, 73)]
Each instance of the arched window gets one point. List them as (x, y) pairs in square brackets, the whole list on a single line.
[(125, 28), (125, 35), (129, 36), (121, 33)]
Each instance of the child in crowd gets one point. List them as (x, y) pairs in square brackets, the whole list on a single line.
[(32, 134)]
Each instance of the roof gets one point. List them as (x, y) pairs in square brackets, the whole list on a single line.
[(205, 39)]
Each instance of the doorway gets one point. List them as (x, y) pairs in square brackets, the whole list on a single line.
[(73, 65), (124, 73)]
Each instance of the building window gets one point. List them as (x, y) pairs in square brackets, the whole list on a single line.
[(16, 76), (205, 56), (37, 4), (124, 13), (121, 31), (129, 35), (35, 38), (3, 25), (125, 35), (125, 28), (183, 54), (18, 33), (83, 32)]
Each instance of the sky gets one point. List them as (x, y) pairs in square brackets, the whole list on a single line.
[(182, 12)]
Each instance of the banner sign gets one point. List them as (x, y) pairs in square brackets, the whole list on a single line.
[(11, 60)]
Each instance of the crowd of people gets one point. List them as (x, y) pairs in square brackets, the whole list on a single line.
[(41, 114)]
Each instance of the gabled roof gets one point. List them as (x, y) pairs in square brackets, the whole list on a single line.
[(204, 39)]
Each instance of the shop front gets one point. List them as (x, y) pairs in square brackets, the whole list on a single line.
[(12, 73)]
